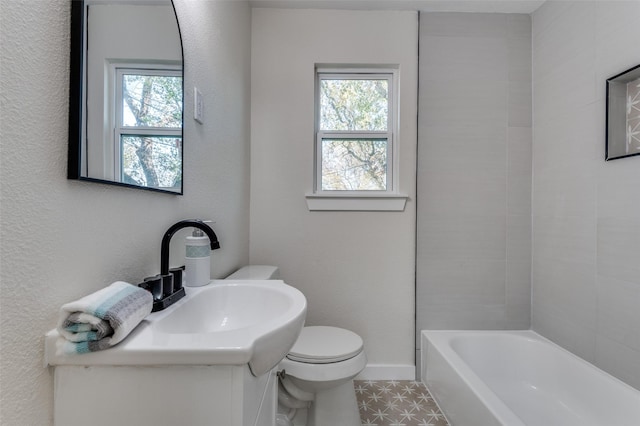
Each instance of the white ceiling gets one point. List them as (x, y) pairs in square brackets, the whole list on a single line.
[(488, 6)]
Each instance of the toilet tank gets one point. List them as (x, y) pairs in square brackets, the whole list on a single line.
[(256, 272)]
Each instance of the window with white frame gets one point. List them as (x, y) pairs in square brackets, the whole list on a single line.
[(356, 113), (148, 125)]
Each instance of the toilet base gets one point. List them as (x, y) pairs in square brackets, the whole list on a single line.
[(335, 406)]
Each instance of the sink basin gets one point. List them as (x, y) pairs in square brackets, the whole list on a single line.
[(225, 307), (227, 322)]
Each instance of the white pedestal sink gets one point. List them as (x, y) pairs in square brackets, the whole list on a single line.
[(212, 354)]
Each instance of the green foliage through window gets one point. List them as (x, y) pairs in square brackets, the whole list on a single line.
[(354, 105)]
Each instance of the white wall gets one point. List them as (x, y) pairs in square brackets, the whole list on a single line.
[(63, 239), (474, 172), (355, 268), (586, 233)]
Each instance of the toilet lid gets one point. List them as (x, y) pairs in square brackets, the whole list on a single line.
[(323, 345)]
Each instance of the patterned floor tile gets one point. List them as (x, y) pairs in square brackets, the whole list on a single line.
[(396, 403)]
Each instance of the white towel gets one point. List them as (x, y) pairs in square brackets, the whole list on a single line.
[(102, 319)]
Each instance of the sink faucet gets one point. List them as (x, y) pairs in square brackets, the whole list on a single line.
[(189, 223), (165, 291)]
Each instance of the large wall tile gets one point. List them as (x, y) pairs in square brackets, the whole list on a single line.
[(618, 359), (468, 281), (586, 237), (464, 58), (565, 331), (519, 106), (519, 171), (574, 26), (474, 172), (565, 289), (518, 244), (519, 26), (564, 239), (462, 102), (560, 95), (545, 17), (564, 192), (616, 34), (462, 316), (519, 57), (619, 248), (617, 185), (462, 237), (470, 25), (517, 316), (465, 146), (571, 140), (618, 313)]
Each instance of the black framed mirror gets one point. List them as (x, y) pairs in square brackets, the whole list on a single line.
[(126, 94)]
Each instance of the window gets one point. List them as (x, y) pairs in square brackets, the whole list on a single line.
[(148, 126), (356, 114)]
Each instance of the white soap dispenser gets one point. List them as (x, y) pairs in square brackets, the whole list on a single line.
[(197, 259)]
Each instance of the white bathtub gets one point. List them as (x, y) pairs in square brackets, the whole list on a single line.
[(517, 378)]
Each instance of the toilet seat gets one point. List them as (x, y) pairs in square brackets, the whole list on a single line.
[(325, 345), (324, 374)]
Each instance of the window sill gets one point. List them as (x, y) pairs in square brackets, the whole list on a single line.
[(350, 202)]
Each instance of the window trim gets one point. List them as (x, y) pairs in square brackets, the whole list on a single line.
[(367, 200)]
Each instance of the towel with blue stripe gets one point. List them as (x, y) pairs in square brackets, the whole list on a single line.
[(102, 319)]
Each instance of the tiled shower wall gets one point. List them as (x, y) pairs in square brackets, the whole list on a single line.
[(474, 172), (586, 232)]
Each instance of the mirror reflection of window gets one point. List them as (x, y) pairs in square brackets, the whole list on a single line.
[(148, 127), (151, 99), (133, 104)]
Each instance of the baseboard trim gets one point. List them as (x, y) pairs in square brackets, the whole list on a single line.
[(387, 372)]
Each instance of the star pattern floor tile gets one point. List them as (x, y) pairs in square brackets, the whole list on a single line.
[(396, 403)]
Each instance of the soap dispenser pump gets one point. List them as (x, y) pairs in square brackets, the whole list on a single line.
[(197, 259)]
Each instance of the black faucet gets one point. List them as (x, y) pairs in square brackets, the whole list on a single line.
[(167, 286), (189, 223)]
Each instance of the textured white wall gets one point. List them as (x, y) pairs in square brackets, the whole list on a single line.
[(474, 172), (355, 268), (63, 239), (586, 233)]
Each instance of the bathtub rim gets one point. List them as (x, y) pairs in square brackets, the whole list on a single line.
[(531, 335), (440, 340)]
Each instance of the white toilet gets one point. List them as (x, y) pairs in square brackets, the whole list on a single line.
[(316, 377)]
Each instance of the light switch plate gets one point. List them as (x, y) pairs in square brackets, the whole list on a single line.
[(198, 106)]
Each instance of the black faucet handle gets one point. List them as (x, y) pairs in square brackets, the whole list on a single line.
[(167, 284), (177, 277), (153, 285)]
